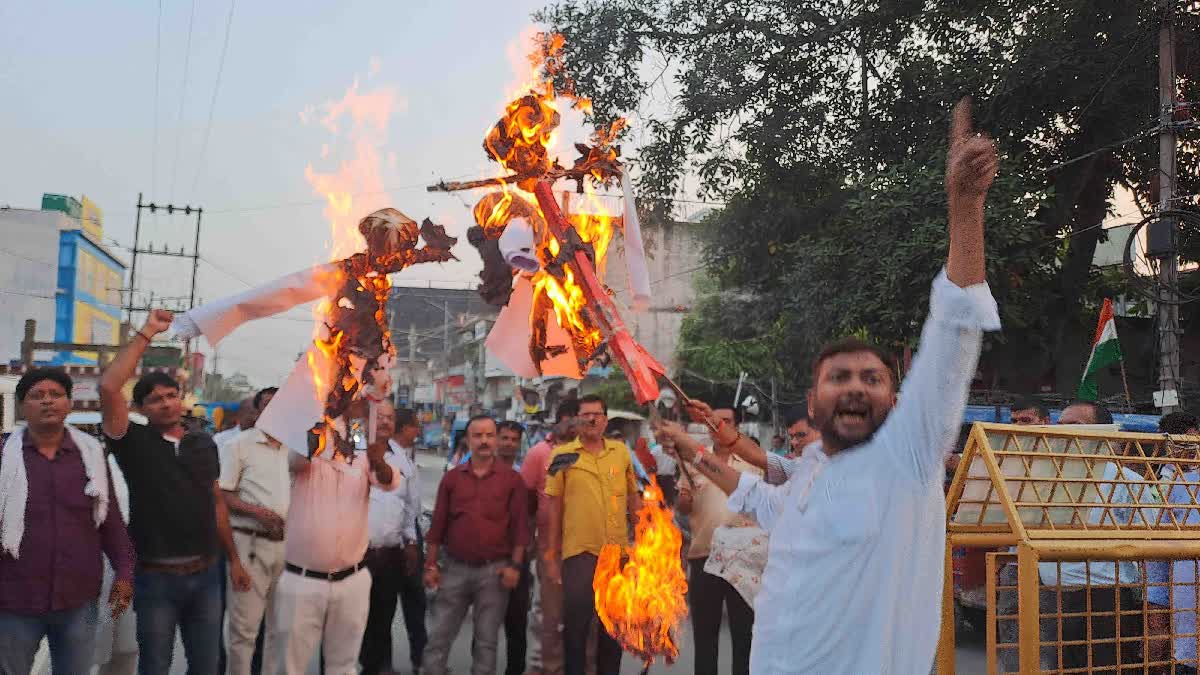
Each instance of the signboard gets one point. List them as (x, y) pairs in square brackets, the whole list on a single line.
[(85, 389), (424, 393)]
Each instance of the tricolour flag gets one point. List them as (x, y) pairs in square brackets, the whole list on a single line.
[(1106, 351)]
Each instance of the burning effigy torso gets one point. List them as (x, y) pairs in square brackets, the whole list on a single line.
[(352, 351)]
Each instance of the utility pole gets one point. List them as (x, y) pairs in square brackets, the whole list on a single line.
[(445, 352), (1168, 312), (412, 359), (131, 306)]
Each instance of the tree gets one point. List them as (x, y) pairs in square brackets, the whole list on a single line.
[(823, 124)]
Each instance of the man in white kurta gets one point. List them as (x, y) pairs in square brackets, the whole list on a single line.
[(857, 531), (854, 572)]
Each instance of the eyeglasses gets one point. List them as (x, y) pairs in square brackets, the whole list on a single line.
[(39, 396)]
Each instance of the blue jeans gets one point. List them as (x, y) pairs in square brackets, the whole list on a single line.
[(193, 603), (71, 633)]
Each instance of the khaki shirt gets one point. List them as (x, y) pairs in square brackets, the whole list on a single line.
[(256, 468), (710, 510)]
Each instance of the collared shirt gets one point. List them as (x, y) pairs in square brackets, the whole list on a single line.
[(710, 509), (256, 467), (853, 580), (594, 489), (223, 439), (1105, 573), (327, 519), (480, 518), (172, 513), (60, 566), (1173, 584), (392, 516), (533, 471)]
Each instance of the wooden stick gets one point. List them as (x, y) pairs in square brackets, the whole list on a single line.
[(1124, 381)]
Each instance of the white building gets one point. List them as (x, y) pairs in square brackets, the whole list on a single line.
[(28, 274)]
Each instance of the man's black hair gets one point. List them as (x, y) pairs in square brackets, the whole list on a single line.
[(853, 345), (406, 417), (28, 380), (1178, 423), (566, 408), (797, 414), (148, 382), (263, 393), (511, 425), (1029, 403), (594, 398), (1099, 412), (478, 418)]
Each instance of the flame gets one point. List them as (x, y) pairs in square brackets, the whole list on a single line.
[(642, 600), (523, 144), (359, 119)]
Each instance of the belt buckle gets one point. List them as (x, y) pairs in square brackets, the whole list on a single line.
[(329, 576)]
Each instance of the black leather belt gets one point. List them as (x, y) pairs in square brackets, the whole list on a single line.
[(326, 576)]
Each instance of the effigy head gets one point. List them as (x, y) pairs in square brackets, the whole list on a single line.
[(388, 231)]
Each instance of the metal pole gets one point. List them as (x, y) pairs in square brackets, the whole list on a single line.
[(195, 260), (1168, 312), (445, 352), (412, 359), (137, 231)]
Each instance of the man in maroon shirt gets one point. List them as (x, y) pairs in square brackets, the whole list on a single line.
[(50, 586), (481, 517)]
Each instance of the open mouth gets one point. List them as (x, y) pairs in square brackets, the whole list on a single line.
[(851, 415)]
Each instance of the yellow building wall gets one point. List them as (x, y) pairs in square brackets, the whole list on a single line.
[(95, 327), (92, 218)]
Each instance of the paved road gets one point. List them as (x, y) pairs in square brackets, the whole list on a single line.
[(970, 652)]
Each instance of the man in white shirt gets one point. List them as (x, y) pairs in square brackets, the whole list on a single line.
[(392, 551), (257, 487), (245, 417), (857, 533), (324, 593)]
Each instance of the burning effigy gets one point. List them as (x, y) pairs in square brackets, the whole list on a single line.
[(545, 269), (352, 350)]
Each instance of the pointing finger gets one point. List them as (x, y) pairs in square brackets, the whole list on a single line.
[(960, 123)]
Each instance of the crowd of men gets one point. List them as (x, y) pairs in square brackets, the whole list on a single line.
[(824, 558)]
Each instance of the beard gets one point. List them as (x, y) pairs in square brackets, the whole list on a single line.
[(851, 421)]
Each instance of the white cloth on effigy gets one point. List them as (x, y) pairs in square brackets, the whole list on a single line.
[(635, 250), (854, 572), (299, 403), (216, 319)]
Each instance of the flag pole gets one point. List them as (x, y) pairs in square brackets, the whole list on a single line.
[(1125, 382)]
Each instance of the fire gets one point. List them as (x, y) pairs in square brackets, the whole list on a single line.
[(523, 144), (338, 378), (640, 592)]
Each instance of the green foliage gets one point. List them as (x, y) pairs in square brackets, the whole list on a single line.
[(836, 215)]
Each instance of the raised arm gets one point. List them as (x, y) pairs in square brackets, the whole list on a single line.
[(931, 401), (114, 411)]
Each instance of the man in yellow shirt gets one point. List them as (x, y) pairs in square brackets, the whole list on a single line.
[(592, 493)]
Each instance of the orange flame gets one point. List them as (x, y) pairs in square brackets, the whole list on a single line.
[(523, 143), (353, 189), (641, 601)]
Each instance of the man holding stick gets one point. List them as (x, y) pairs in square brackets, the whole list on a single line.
[(854, 575)]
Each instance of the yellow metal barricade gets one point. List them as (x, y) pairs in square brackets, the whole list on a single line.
[(1095, 549)]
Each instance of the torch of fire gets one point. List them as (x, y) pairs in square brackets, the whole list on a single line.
[(523, 142), (640, 592)]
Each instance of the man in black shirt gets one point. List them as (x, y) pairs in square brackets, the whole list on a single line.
[(178, 518)]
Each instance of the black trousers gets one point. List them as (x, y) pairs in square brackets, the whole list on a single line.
[(389, 583), (516, 621), (579, 614), (708, 594)]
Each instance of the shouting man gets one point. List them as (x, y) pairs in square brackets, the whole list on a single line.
[(854, 576)]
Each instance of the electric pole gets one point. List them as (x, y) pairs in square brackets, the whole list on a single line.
[(1168, 312)]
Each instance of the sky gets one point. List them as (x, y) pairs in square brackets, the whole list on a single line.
[(82, 114)]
